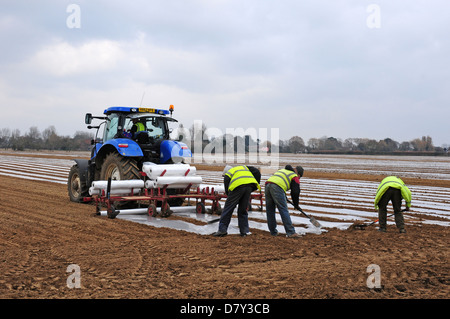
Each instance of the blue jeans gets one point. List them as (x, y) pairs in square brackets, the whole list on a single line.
[(276, 197)]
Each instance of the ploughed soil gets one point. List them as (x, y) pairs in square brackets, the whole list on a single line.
[(42, 233)]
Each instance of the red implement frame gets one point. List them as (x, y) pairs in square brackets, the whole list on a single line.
[(160, 195)]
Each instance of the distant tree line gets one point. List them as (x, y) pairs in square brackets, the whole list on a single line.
[(324, 145), (422, 146), (48, 139)]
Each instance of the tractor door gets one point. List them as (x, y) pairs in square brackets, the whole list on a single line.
[(112, 125), (157, 128)]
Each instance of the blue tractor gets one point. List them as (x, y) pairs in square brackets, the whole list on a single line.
[(131, 136)]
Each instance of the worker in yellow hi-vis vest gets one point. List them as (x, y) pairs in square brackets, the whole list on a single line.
[(137, 127), (240, 182), (276, 187), (392, 189)]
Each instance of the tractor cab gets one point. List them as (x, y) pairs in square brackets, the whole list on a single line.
[(142, 133), (142, 124)]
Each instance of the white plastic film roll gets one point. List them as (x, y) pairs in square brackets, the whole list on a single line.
[(174, 181), (134, 211), (168, 180), (217, 188), (117, 191), (126, 184), (153, 171)]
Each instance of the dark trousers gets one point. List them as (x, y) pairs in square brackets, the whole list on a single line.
[(238, 196), (395, 196)]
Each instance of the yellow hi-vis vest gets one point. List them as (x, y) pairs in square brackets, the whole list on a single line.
[(139, 127), (395, 182), (283, 178), (241, 175)]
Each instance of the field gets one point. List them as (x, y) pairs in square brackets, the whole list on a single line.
[(42, 233)]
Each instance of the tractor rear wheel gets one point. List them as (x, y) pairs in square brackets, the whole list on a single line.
[(76, 188), (119, 168)]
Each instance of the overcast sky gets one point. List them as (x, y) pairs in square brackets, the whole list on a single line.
[(340, 68)]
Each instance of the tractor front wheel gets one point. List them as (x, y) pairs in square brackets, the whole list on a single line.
[(76, 188)]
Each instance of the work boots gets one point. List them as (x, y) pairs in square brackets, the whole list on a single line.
[(220, 234), (383, 230)]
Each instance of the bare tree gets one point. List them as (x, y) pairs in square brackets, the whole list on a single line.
[(33, 139), (5, 137), (423, 144), (313, 143), (296, 144)]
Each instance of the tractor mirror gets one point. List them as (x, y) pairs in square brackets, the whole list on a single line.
[(88, 118)]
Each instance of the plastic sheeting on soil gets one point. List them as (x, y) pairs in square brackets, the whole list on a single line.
[(343, 201), (141, 216)]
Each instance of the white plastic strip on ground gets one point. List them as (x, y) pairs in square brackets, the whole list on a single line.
[(211, 228), (37, 177)]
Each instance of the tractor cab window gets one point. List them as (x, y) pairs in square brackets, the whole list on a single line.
[(111, 127), (152, 126), (156, 127)]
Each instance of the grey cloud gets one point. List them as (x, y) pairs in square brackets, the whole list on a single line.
[(311, 68)]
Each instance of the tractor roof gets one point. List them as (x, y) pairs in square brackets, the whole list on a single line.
[(144, 115), (132, 110)]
